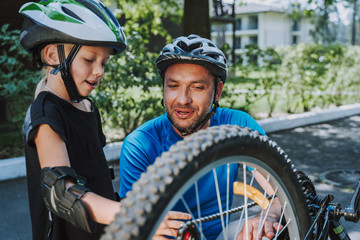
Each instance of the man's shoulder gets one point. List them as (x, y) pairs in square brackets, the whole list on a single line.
[(155, 124), (145, 142), (152, 128), (228, 113), (237, 117)]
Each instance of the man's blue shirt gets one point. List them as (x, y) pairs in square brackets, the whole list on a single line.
[(146, 143)]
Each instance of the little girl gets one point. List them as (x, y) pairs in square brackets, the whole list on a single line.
[(69, 182)]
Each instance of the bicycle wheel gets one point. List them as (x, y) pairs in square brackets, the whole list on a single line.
[(180, 178)]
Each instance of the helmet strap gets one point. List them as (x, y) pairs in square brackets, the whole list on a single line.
[(64, 68), (202, 123)]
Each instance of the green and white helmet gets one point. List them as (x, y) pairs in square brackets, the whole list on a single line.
[(82, 22)]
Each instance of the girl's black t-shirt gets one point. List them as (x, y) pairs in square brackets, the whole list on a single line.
[(84, 139)]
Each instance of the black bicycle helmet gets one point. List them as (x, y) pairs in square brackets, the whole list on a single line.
[(83, 22), (196, 50)]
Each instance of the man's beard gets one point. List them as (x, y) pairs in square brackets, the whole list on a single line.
[(197, 122)]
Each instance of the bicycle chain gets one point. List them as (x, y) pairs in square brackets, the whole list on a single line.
[(312, 200), (217, 215)]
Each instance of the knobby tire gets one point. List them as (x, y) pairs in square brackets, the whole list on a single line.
[(164, 182)]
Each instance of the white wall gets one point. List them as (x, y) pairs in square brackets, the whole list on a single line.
[(274, 29), (305, 27)]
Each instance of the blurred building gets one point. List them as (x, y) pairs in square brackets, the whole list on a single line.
[(266, 26)]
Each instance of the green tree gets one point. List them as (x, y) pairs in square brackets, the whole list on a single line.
[(196, 18), (131, 90), (18, 78), (18, 75), (319, 10), (320, 18), (304, 73), (354, 4)]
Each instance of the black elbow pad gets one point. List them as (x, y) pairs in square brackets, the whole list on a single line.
[(65, 203)]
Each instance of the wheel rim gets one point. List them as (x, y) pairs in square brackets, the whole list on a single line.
[(261, 167), (176, 170)]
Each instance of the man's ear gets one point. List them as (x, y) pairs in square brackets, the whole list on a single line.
[(50, 54), (220, 86)]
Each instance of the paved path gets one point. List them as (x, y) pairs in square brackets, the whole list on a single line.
[(325, 147), (313, 149)]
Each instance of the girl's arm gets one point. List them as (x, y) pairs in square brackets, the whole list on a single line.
[(52, 152)]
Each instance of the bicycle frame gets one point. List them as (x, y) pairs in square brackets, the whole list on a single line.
[(326, 222)]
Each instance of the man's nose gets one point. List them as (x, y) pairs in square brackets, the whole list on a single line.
[(184, 96)]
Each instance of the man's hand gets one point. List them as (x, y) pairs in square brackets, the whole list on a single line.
[(269, 229), (270, 226), (272, 220), (170, 225)]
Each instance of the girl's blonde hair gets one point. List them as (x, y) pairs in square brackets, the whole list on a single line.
[(43, 77), (40, 86), (46, 70)]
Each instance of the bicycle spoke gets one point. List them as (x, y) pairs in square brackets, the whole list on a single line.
[(261, 222), (286, 225), (238, 225), (267, 212), (245, 203), (253, 177), (198, 202), (227, 199), (281, 218), (219, 201), (189, 211), (242, 212)]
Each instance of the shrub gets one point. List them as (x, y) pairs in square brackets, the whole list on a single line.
[(131, 91), (18, 75)]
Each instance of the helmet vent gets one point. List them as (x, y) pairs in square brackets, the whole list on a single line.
[(195, 46), (182, 45), (94, 9), (114, 20), (71, 13), (213, 56)]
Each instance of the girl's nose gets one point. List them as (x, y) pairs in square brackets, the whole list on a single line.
[(98, 70)]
